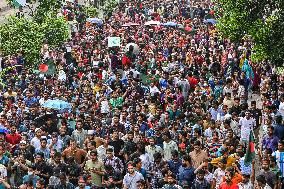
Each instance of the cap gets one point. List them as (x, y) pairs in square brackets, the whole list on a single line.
[(37, 129), (23, 142)]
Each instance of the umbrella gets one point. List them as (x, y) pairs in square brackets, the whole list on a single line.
[(170, 24), (95, 21), (136, 48), (152, 22), (210, 21), (56, 104)]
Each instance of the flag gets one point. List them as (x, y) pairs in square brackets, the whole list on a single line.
[(48, 67), (250, 152), (18, 3)]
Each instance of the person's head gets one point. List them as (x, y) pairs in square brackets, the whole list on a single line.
[(175, 157), (200, 174), (137, 163), (40, 184), (57, 157), (79, 124), (222, 163), (260, 181), (245, 178), (62, 177), (270, 130), (229, 174), (253, 104), (38, 132), (109, 153), (130, 168), (197, 145), (130, 135), (152, 141), (247, 115), (43, 142), (281, 145), (186, 161), (39, 157), (13, 129), (73, 143), (94, 155), (265, 164), (141, 184), (31, 169), (81, 182)]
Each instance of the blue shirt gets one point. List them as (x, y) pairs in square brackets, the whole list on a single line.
[(174, 166), (33, 178), (186, 175)]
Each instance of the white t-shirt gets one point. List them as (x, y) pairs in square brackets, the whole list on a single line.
[(281, 108), (246, 127)]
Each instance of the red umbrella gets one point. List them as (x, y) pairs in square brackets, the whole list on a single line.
[(43, 68)]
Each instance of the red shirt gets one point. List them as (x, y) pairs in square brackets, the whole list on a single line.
[(13, 138), (224, 185)]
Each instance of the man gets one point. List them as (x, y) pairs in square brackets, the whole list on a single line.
[(101, 150), (129, 145), (79, 134), (168, 146), (174, 163), (197, 155), (55, 143), (13, 138), (96, 168), (228, 183), (82, 184), (270, 176), (186, 172), (43, 148), (64, 184), (152, 148), (200, 182), (279, 156), (78, 154), (261, 183), (42, 168), (116, 142), (31, 176), (219, 173), (256, 113), (279, 128), (114, 161), (171, 183), (35, 142), (247, 124), (270, 141), (131, 178)]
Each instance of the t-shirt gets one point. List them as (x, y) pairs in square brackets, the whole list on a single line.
[(280, 161), (131, 181), (224, 185), (247, 125)]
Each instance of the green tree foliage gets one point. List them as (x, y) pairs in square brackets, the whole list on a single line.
[(90, 11), (262, 20), (21, 34), (28, 35)]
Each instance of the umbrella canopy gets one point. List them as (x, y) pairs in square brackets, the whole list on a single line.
[(95, 21), (210, 21), (136, 48), (152, 22), (56, 105), (170, 24)]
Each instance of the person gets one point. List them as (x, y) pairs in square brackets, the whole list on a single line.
[(261, 183), (186, 172), (78, 154), (197, 155), (152, 148), (131, 178), (247, 125), (168, 146), (228, 184), (171, 183), (270, 141), (63, 182), (82, 184), (96, 167), (31, 176), (200, 181), (219, 173)]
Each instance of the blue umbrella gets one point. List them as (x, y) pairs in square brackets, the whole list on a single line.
[(95, 21), (211, 21), (170, 24), (57, 105)]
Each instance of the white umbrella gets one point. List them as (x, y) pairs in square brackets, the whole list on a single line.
[(152, 22), (136, 49)]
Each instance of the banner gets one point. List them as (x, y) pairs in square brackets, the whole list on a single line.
[(113, 41)]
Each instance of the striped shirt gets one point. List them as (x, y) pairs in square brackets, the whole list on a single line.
[(280, 161)]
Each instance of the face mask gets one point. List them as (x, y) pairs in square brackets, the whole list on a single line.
[(30, 172)]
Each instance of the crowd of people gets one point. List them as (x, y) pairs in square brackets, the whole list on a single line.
[(175, 109)]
